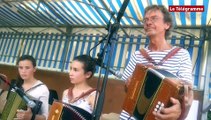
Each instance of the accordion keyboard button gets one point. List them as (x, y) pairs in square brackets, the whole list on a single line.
[(159, 106), (56, 111)]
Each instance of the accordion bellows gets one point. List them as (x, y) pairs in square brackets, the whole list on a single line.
[(150, 90)]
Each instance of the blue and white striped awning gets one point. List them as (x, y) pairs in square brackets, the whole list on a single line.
[(39, 13)]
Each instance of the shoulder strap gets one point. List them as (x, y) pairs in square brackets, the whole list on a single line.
[(34, 87), (146, 55), (82, 95), (169, 55), (88, 92)]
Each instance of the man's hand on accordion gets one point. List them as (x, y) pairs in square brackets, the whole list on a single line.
[(187, 100), (171, 113), (179, 110)]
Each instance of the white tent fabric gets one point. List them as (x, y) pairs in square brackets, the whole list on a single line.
[(94, 12)]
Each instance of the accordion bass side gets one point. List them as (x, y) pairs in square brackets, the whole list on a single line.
[(64, 111), (14, 102), (150, 90)]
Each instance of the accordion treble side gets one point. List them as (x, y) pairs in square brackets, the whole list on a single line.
[(150, 90)]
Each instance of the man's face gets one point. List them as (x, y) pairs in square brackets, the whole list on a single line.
[(154, 23)]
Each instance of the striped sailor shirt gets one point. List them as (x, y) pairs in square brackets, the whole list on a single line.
[(179, 65)]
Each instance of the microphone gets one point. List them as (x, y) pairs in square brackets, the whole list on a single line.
[(112, 71), (122, 10), (30, 103), (116, 73)]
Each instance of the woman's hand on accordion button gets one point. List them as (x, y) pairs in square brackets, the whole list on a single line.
[(24, 115), (171, 113)]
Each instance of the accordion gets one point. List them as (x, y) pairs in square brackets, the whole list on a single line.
[(150, 90), (64, 111), (15, 102)]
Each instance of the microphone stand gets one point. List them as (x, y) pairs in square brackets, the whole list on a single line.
[(99, 106), (112, 38)]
